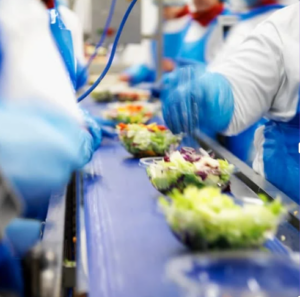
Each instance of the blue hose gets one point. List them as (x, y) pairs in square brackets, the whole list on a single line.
[(107, 24), (114, 48), (103, 36)]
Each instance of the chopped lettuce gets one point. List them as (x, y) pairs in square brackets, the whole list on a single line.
[(191, 168), (206, 218)]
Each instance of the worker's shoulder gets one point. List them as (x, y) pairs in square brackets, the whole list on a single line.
[(286, 18)]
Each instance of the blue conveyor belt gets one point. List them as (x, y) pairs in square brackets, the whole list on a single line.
[(128, 241), (129, 244)]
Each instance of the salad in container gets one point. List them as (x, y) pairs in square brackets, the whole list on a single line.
[(102, 95), (132, 95), (147, 140), (187, 167), (205, 219), (130, 113)]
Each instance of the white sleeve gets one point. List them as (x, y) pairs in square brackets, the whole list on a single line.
[(33, 68), (255, 72), (235, 38)]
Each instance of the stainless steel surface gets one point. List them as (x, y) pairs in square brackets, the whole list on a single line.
[(82, 286), (160, 41), (53, 240), (48, 275), (97, 68)]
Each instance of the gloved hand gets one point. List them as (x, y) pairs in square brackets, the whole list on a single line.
[(39, 150), (99, 128), (195, 101), (138, 74), (22, 235), (94, 129)]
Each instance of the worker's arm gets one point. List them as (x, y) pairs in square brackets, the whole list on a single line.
[(232, 96), (255, 72)]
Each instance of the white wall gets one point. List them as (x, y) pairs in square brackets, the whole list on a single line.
[(149, 16)]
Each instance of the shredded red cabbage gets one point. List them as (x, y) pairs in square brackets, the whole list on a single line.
[(202, 174)]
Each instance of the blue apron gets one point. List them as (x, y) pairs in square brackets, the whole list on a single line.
[(172, 43), (242, 145), (281, 155), (258, 11), (195, 52), (64, 42)]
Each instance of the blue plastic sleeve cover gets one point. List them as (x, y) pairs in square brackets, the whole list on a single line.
[(194, 101), (22, 235), (94, 129)]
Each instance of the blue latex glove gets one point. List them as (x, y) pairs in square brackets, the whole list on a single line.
[(139, 74), (94, 129), (10, 271), (39, 151), (99, 128), (192, 101), (22, 235), (104, 122)]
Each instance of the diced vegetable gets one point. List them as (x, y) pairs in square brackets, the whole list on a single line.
[(102, 96)]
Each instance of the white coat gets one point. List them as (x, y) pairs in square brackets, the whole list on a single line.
[(264, 75), (237, 35), (32, 68)]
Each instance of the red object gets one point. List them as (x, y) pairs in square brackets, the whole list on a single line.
[(49, 3), (266, 3), (185, 11), (161, 128), (110, 32), (207, 16), (122, 126)]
